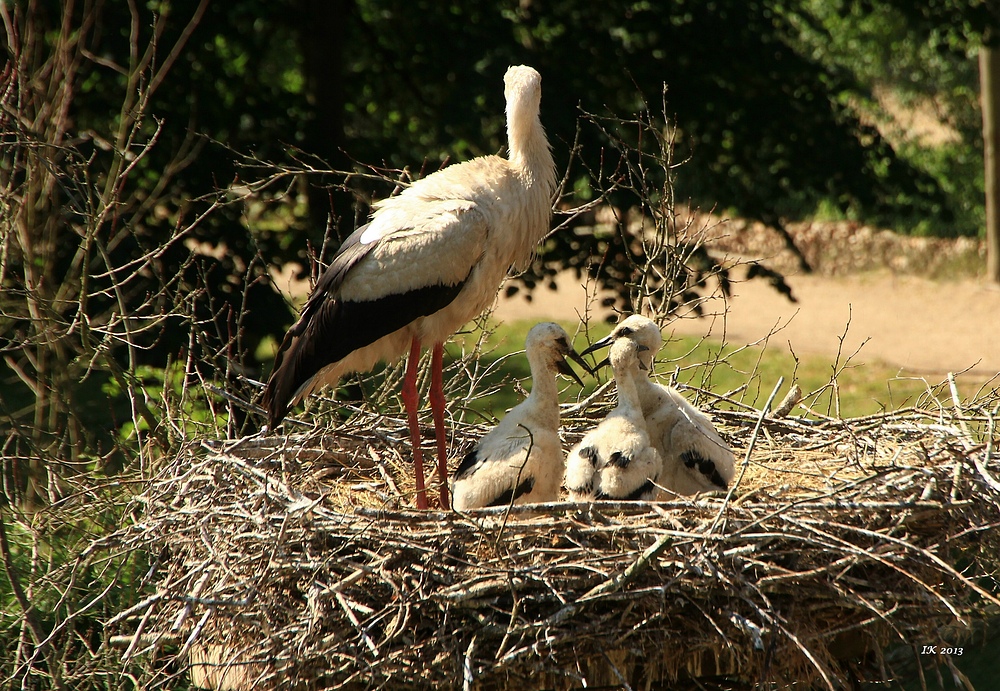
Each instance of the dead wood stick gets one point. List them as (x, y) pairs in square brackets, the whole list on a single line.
[(616, 583), (790, 400)]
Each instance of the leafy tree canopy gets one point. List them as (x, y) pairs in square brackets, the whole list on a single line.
[(766, 125)]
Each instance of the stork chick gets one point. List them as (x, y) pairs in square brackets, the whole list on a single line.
[(615, 460), (428, 261), (521, 460), (695, 457)]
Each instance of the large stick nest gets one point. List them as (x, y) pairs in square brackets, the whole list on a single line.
[(294, 562)]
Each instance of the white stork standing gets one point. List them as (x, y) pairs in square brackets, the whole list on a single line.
[(521, 459), (616, 460), (428, 261), (695, 457)]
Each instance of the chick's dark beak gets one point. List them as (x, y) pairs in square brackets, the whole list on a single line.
[(597, 345), (563, 367), (578, 359), (607, 361)]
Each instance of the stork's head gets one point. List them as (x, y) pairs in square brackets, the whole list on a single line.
[(522, 87), (550, 343), (639, 329)]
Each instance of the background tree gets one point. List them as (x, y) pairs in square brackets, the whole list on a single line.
[(921, 56), (103, 269), (767, 127), (989, 70)]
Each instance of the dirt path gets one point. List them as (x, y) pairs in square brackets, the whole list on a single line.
[(924, 327)]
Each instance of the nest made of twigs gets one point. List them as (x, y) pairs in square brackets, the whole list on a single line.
[(295, 562)]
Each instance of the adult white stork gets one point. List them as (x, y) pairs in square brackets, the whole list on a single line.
[(521, 459), (428, 261), (695, 457), (616, 460)]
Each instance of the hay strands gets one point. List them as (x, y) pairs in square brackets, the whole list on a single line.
[(837, 541)]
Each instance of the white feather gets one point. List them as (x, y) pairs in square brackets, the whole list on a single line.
[(471, 221), (592, 471), (524, 446), (681, 433)]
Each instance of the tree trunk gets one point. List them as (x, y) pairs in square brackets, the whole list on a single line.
[(322, 27), (989, 80)]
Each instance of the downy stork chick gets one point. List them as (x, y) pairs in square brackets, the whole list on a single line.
[(615, 460), (521, 460), (428, 261), (695, 457)]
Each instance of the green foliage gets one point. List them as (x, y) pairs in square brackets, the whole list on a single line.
[(958, 167), (74, 590), (765, 123), (917, 59), (172, 395), (119, 254)]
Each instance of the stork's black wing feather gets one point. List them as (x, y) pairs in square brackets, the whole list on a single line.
[(635, 495), (706, 466), (329, 328), (349, 254)]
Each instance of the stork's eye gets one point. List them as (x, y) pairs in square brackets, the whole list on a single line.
[(625, 331), (561, 342)]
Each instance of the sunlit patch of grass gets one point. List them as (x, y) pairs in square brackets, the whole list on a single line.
[(728, 376), (846, 387)]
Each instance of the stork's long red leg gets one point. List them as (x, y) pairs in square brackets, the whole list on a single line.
[(410, 402), (437, 409)]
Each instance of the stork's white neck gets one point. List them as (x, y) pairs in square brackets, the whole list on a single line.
[(647, 391), (528, 149)]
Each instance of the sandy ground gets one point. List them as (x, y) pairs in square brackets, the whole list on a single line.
[(922, 326)]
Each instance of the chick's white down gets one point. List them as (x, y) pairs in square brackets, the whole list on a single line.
[(615, 460), (521, 459), (695, 457)]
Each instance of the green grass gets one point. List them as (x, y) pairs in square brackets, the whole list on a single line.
[(743, 376)]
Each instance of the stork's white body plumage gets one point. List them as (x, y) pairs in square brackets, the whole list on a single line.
[(695, 457), (431, 259), (616, 460), (521, 460)]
